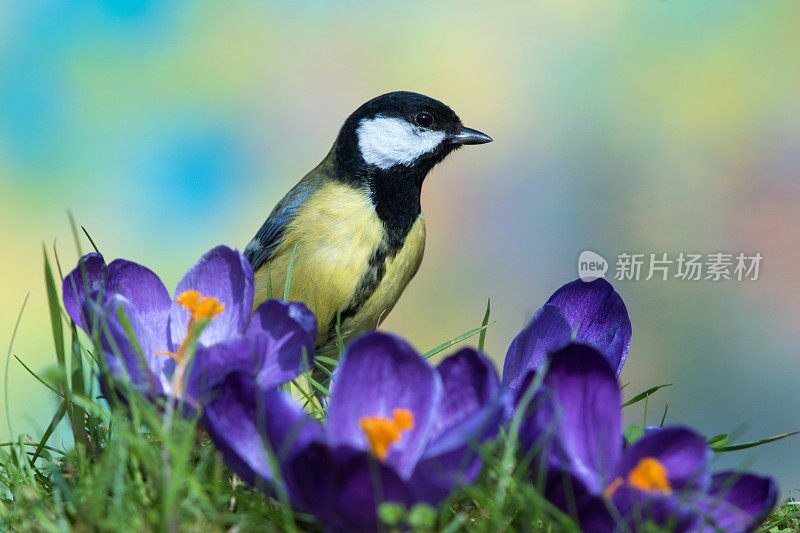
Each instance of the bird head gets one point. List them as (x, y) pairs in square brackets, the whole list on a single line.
[(401, 134)]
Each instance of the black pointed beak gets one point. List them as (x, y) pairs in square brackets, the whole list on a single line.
[(470, 136)]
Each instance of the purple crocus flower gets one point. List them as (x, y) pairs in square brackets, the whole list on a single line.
[(572, 428), (148, 338), (398, 430), (591, 311)]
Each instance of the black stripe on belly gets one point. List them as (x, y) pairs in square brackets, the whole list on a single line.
[(366, 288)]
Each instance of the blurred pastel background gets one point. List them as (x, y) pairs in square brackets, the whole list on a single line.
[(646, 126)]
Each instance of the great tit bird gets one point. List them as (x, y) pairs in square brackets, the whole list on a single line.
[(354, 223)]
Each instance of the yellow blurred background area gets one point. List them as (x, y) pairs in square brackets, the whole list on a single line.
[(638, 127)]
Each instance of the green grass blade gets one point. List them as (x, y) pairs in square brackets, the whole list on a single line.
[(76, 415), (8, 363), (90, 407), (746, 445), (76, 238), (718, 440), (512, 442), (58, 263), (308, 397), (326, 360), (643, 395), (339, 338), (78, 384), (62, 409), (55, 314), (317, 385), (48, 448), (454, 340), (91, 241), (289, 274), (38, 378), (322, 367), (484, 324), (456, 524)]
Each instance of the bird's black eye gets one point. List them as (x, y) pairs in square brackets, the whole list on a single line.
[(424, 119)]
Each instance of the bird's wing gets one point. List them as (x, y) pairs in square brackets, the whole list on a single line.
[(262, 248)]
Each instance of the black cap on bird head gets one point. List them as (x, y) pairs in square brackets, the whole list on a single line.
[(403, 134)]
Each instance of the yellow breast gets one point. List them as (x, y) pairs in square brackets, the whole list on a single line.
[(336, 232), (399, 271)]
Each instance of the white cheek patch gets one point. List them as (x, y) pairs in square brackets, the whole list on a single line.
[(386, 142)]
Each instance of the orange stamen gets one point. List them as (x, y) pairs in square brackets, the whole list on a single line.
[(201, 309), (612, 487), (383, 432), (650, 475)]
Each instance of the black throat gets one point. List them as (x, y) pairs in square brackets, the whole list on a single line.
[(395, 192)]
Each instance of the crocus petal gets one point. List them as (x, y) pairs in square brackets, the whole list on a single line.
[(289, 330), (454, 460), (600, 315), (146, 294), (684, 454), (538, 425), (630, 510), (240, 417), (641, 511), (89, 274), (342, 487), (587, 401), (141, 288), (226, 275), (468, 414), (617, 352), (261, 356), (113, 319), (378, 373), (570, 495), (469, 383), (212, 363), (273, 314), (594, 512), (737, 502), (547, 332)]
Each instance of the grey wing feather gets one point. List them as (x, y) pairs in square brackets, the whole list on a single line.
[(262, 248)]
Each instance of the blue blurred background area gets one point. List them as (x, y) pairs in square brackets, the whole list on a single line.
[(649, 126)]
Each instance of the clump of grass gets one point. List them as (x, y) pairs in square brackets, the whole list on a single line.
[(784, 519), (129, 470)]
